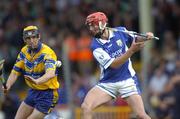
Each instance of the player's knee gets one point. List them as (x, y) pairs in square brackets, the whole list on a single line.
[(86, 107)]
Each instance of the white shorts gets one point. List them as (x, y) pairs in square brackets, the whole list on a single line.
[(123, 88)]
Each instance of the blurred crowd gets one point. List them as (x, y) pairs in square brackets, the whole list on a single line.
[(61, 23)]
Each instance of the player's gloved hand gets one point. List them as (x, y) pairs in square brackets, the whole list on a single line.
[(31, 79), (136, 46)]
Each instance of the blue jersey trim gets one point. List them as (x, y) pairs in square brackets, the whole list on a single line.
[(40, 58), (50, 61), (49, 66), (33, 74), (17, 69), (22, 55)]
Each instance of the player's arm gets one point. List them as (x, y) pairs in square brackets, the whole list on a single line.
[(50, 69), (105, 60), (122, 59), (48, 75), (11, 80), (16, 71), (135, 46)]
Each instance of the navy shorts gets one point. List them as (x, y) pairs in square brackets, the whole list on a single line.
[(42, 100)]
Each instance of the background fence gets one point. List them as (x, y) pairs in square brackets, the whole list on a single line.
[(106, 112)]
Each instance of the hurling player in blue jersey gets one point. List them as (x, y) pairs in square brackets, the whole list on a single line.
[(109, 47)]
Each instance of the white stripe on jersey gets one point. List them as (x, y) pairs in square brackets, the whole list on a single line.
[(130, 65)]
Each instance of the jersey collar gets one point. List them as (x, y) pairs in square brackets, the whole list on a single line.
[(111, 34)]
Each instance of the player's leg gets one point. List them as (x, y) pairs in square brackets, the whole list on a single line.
[(93, 99), (136, 103), (36, 115), (44, 102), (130, 91), (24, 111)]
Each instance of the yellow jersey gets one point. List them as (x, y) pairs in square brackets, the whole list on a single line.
[(36, 66)]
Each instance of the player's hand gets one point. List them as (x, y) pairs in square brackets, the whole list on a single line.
[(6, 90), (136, 46), (150, 35), (31, 79)]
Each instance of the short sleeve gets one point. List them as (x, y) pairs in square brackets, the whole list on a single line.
[(18, 67), (103, 57), (50, 60)]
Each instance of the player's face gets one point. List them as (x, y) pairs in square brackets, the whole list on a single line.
[(32, 41), (94, 29)]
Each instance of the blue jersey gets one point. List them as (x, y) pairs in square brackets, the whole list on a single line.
[(105, 51)]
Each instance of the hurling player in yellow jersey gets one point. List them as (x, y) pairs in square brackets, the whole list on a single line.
[(36, 62)]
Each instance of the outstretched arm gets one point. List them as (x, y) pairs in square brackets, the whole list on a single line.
[(48, 75), (16, 71), (11, 80)]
